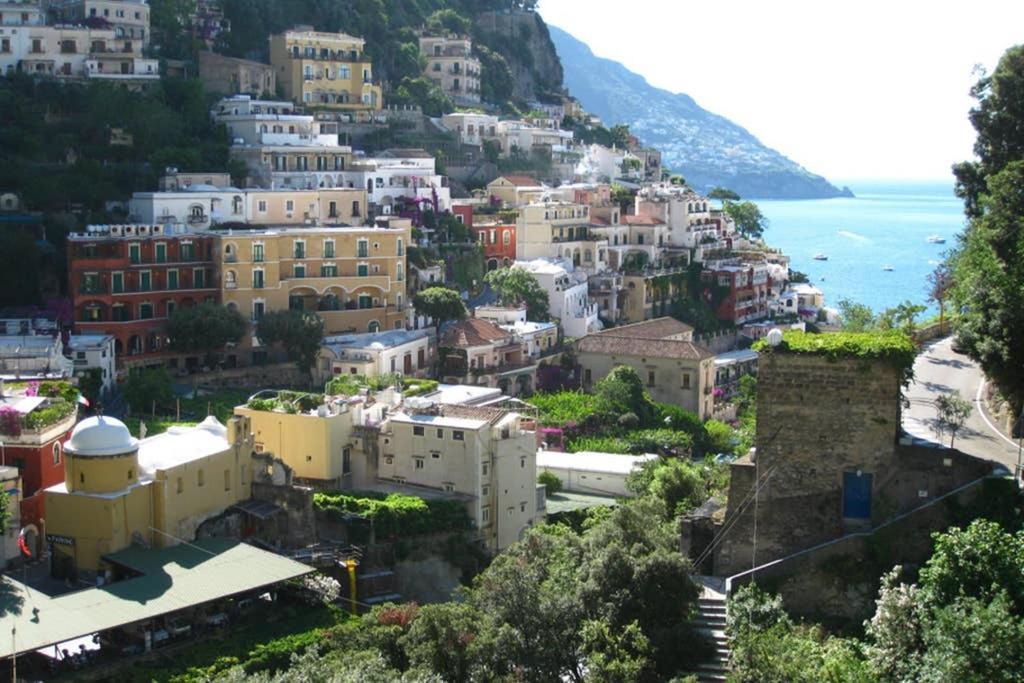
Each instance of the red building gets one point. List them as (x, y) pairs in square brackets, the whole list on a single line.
[(38, 452), (743, 291), (463, 213), (499, 243), (126, 281)]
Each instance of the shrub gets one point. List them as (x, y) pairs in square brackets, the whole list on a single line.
[(57, 410), (552, 484), (10, 421), (628, 421), (558, 408), (395, 514)]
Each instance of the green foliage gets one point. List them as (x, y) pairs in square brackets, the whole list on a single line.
[(680, 485), (901, 317), (299, 332), (720, 437), (750, 222), (892, 347), (622, 391), (144, 388), (395, 514), (856, 317), (205, 328), (556, 409), (952, 413), (723, 193), (439, 304), (552, 484), (57, 410), (448, 20), (422, 91), (90, 383), (516, 286), (443, 639)]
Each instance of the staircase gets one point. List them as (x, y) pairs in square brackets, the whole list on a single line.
[(710, 622)]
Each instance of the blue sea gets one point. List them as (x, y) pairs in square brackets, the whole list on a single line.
[(886, 224)]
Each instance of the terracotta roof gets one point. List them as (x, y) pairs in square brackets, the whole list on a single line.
[(634, 346), (658, 328), (473, 332), (649, 338), (642, 219), (519, 180)]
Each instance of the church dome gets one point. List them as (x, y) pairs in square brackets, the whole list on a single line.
[(101, 435)]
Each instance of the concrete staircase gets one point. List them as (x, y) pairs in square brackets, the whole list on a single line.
[(710, 622)]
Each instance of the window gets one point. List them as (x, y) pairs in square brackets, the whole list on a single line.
[(458, 435), (417, 431), (300, 247), (258, 308), (161, 253), (257, 252), (485, 469), (172, 279), (257, 279), (506, 237), (362, 249), (365, 301), (346, 460), (227, 480), (686, 380), (299, 270), (440, 433), (134, 253), (328, 270), (522, 463), (145, 281), (485, 515), (418, 462), (145, 311), (522, 507), (181, 484), (169, 307), (435, 455), (399, 272), (344, 72), (198, 278), (56, 453), (400, 249), (117, 283), (261, 205), (289, 206), (200, 478), (329, 247), (362, 270), (650, 378)]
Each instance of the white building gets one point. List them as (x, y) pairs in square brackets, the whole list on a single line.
[(387, 179), (567, 295), (33, 357), (485, 454), (471, 128), (523, 137), (73, 52), (601, 474), (687, 215), (403, 351), (90, 351)]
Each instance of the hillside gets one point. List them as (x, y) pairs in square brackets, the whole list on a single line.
[(707, 149)]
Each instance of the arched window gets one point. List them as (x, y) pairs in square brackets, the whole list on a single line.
[(374, 326), (236, 205), (56, 453), (506, 237)]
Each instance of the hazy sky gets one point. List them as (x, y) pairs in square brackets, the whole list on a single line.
[(851, 90)]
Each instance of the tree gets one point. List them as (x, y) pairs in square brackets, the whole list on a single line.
[(516, 286), (443, 638), (988, 264), (205, 328), (902, 317), (552, 484), (439, 304), (90, 383), (299, 332), (940, 282), (952, 412), (750, 222), (145, 389), (855, 317), (622, 391), (723, 194)]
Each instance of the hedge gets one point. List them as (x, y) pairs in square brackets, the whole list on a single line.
[(396, 514)]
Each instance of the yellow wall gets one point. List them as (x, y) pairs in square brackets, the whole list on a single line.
[(226, 477), (310, 445), (99, 525), (326, 73), (101, 474), (668, 378)]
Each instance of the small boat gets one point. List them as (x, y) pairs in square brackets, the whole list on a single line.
[(887, 268), (936, 239), (820, 257)]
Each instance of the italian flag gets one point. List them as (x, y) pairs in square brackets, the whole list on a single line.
[(83, 400)]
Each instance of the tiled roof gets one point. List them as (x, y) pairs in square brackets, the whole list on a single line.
[(658, 328), (473, 332), (520, 180), (642, 219)]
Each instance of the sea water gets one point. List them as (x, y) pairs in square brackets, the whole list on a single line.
[(887, 224)]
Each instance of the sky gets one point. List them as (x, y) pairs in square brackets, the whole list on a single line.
[(852, 90)]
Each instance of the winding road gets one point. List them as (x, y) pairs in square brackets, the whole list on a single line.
[(938, 370)]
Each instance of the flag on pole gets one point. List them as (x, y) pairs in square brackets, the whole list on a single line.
[(22, 544), (83, 400)]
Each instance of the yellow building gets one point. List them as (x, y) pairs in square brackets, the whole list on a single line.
[(325, 70), (119, 491), (352, 277)]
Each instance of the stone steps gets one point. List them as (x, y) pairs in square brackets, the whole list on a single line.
[(710, 621)]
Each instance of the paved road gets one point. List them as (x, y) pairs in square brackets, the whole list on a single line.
[(940, 370)]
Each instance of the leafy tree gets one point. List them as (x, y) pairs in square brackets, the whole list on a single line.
[(621, 391), (952, 412), (797, 277), (423, 92), (444, 639), (439, 304), (144, 389), (90, 383), (614, 655), (723, 194), (856, 317), (496, 81), (448, 20), (901, 317), (515, 287), (299, 332), (205, 328), (552, 484), (750, 222), (940, 284)]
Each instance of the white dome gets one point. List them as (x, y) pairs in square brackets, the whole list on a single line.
[(101, 435)]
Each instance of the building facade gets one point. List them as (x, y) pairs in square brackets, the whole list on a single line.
[(324, 70), (232, 76), (452, 67)]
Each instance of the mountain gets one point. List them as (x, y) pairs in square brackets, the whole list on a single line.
[(707, 149)]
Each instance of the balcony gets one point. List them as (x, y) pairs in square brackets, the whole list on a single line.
[(196, 219)]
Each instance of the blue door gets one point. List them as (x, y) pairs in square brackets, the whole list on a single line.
[(856, 495)]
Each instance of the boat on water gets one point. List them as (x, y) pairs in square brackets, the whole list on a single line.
[(936, 239), (820, 257), (887, 268)]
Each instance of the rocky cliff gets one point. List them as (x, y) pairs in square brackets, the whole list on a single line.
[(522, 38)]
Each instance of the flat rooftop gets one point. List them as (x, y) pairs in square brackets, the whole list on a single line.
[(172, 579), (592, 461)]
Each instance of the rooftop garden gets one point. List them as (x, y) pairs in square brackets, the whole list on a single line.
[(891, 346), (60, 404), (394, 514)]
